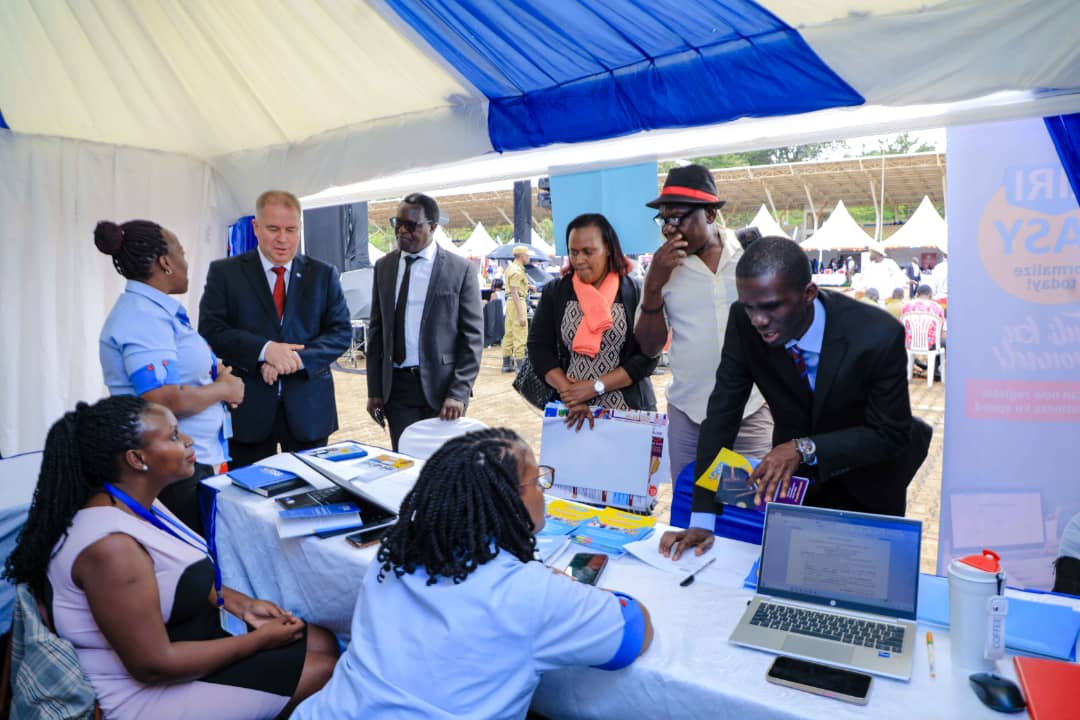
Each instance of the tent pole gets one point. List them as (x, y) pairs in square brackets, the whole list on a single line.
[(772, 206)]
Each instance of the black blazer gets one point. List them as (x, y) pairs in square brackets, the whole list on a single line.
[(451, 330), (547, 350), (859, 416), (237, 317)]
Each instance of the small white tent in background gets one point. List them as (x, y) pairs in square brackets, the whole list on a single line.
[(924, 229), (374, 253), (539, 243), (444, 240), (479, 243), (766, 225), (839, 232)]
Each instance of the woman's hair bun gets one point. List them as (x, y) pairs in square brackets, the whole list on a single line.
[(108, 237)]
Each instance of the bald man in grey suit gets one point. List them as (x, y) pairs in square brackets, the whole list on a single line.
[(425, 336)]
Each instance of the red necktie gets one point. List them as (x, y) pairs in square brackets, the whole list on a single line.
[(279, 290), (796, 353)]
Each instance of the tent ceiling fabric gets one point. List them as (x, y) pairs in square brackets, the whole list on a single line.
[(211, 78), (634, 64), (309, 94)]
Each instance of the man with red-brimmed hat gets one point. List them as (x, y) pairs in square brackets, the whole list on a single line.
[(689, 289)]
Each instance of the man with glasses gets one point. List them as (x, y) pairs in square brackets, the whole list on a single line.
[(427, 331), (688, 290)]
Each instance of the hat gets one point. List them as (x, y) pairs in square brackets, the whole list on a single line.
[(688, 185), (520, 250)]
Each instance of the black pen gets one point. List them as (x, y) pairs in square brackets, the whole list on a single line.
[(690, 578)]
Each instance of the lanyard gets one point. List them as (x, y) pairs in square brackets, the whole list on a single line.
[(177, 530)]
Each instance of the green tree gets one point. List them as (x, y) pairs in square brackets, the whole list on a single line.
[(771, 156), (901, 144)]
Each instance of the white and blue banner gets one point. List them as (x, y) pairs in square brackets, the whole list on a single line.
[(1012, 420)]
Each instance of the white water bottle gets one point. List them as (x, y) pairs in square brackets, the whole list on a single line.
[(976, 611)]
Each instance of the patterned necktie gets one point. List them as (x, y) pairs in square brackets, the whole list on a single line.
[(399, 311), (279, 290), (796, 353)]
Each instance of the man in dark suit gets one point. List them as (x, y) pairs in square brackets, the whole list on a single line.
[(278, 319), (833, 371), (426, 332)]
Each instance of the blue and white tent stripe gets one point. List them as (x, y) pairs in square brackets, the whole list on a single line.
[(578, 70)]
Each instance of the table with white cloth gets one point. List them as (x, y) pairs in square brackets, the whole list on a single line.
[(690, 671), (834, 279)]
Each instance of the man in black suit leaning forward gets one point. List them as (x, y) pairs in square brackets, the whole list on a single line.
[(426, 332), (834, 373), (278, 319)]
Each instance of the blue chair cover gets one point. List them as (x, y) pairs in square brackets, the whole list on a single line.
[(735, 523)]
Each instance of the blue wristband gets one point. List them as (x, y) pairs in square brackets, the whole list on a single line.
[(633, 634)]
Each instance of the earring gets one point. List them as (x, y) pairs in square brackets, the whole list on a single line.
[(145, 468), (168, 272)]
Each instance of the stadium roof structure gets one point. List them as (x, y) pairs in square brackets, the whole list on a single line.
[(819, 185)]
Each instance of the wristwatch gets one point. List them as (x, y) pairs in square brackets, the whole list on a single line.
[(807, 449), (598, 386)]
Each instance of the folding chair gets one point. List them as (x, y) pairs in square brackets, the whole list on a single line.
[(918, 326)]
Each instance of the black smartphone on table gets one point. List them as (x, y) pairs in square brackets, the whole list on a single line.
[(834, 682), (586, 567), (367, 536)]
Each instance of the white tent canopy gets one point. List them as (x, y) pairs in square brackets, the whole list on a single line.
[(183, 112), (374, 253), (540, 244), (479, 243), (839, 232), (766, 224), (924, 229), (444, 240)]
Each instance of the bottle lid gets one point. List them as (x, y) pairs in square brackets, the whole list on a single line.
[(989, 561)]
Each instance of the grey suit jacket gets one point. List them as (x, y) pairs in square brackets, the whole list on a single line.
[(451, 330)]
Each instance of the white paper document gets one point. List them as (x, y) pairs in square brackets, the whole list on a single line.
[(648, 551)]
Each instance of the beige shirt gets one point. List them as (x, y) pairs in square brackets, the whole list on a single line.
[(696, 305)]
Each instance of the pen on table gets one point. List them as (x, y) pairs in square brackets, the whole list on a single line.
[(690, 578), (930, 652)]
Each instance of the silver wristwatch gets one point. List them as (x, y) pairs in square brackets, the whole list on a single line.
[(807, 449), (598, 386)]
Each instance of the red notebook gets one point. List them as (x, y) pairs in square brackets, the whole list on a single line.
[(1049, 687)]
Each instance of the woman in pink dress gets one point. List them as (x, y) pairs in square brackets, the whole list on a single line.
[(133, 588)]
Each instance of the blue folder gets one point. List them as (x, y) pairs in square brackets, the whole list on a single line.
[(1031, 628)]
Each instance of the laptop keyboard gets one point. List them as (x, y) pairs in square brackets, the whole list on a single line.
[(867, 633), (329, 496)]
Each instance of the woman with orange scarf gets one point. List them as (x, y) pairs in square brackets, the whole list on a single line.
[(582, 337)]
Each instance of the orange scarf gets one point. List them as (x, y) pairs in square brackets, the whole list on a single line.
[(596, 307)]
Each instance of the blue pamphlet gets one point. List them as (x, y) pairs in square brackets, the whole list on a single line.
[(266, 481), (337, 452)]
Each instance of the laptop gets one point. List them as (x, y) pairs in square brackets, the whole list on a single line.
[(836, 587), (374, 514)]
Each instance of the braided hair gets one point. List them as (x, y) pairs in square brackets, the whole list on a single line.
[(134, 246), (82, 453), (463, 510)]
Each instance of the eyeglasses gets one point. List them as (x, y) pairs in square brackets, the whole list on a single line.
[(675, 220), (545, 478), (407, 225)]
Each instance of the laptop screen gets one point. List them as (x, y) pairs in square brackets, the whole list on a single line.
[(849, 560)]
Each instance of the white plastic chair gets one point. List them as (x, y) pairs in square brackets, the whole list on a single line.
[(917, 325), (421, 439), (356, 286)]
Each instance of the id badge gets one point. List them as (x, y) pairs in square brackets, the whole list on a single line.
[(226, 425), (232, 624)]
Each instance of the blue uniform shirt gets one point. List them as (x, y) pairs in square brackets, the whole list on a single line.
[(148, 342)]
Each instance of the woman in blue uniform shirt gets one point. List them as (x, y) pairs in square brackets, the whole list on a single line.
[(149, 348), (455, 619)]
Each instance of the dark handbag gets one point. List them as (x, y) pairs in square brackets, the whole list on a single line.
[(531, 386)]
